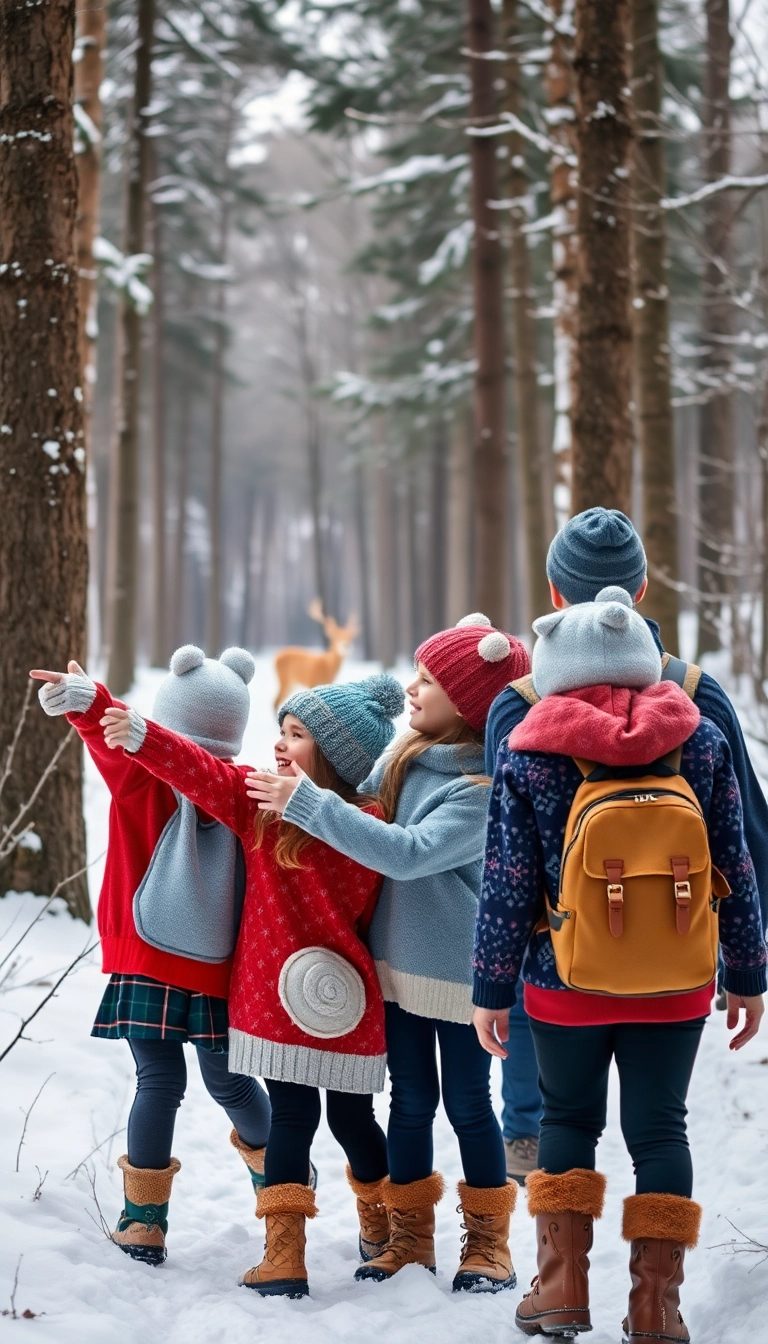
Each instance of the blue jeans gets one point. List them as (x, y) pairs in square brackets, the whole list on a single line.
[(521, 1115), (465, 1077), (161, 1081)]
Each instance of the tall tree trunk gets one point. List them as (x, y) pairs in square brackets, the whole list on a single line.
[(182, 490), (438, 498), (459, 558), (214, 622), (159, 650), (249, 532), (491, 449), (651, 328), (43, 544), (385, 547), (91, 24), (716, 450), (601, 422), (363, 558), (124, 525), (561, 118), (529, 437), (266, 532)]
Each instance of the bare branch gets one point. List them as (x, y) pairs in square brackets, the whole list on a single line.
[(41, 1179), (727, 183), (102, 1223), (80, 1165), (27, 1114), (19, 1034), (51, 898), (10, 753), (11, 834)]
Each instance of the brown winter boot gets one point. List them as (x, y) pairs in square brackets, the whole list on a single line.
[(372, 1212), (254, 1161), (411, 1210), (486, 1264), (282, 1272), (660, 1228), (143, 1223), (564, 1207)]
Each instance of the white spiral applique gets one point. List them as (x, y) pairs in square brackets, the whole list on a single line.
[(321, 992)]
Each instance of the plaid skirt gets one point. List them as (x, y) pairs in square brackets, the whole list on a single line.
[(135, 1006)]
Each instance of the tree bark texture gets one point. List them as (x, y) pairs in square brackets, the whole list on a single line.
[(716, 447), (89, 66), (385, 565), (559, 83), (160, 651), (363, 558), (438, 520), (491, 449), (459, 560), (529, 437), (214, 612), (43, 547), (124, 524), (180, 538), (602, 423), (651, 328)]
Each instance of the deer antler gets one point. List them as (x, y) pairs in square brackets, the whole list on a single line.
[(315, 610)]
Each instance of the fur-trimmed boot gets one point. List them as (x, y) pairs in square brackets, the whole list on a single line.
[(282, 1272), (254, 1161), (660, 1228), (486, 1264), (143, 1224), (373, 1216), (564, 1207), (411, 1210)]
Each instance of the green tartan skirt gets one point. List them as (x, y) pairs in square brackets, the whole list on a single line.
[(135, 1006)]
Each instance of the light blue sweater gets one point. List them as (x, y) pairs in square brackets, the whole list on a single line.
[(431, 856)]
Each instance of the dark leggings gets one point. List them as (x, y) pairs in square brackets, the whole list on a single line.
[(295, 1118), (465, 1069), (655, 1062), (161, 1081)]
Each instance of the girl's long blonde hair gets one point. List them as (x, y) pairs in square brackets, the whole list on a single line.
[(411, 745), (292, 840)]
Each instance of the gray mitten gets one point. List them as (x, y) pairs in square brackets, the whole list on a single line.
[(138, 731), (73, 695)]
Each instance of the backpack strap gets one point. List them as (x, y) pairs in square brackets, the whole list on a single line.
[(685, 675), (524, 688)]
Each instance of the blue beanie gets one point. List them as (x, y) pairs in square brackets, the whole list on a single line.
[(596, 548), (351, 722)]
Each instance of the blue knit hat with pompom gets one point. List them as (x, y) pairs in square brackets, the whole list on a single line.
[(351, 722)]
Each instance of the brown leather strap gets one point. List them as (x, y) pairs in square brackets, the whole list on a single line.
[(614, 869), (680, 871), (585, 767), (686, 675)]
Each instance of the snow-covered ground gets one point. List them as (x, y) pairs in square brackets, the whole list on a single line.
[(81, 1288)]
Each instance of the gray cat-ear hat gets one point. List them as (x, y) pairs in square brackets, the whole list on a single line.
[(600, 643), (207, 699)]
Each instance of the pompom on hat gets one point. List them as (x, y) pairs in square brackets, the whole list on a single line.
[(600, 643), (351, 722), (207, 699), (473, 662)]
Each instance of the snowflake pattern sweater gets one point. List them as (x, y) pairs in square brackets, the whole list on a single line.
[(530, 801), (140, 809), (285, 910)]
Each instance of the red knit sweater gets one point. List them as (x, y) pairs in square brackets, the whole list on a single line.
[(285, 909), (141, 807)]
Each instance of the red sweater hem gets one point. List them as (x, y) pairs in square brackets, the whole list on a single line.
[(132, 956), (572, 1008)]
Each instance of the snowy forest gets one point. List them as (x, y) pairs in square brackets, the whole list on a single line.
[(318, 319)]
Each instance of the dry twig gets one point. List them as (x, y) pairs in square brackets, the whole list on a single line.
[(102, 1223), (63, 883), (27, 1114), (20, 1033), (80, 1165), (12, 834), (10, 753)]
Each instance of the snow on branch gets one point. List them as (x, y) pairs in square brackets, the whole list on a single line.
[(713, 189), (87, 134), (450, 255), (418, 166), (509, 122), (125, 273)]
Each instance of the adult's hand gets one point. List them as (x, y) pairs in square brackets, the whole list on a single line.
[(492, 1027), (753, 1007), (273, 792)]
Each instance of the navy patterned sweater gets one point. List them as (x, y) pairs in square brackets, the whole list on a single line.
[(530, 801)]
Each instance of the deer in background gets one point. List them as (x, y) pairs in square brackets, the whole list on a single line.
[(306, 667)]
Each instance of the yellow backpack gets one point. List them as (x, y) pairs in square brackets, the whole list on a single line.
[(637, 910)]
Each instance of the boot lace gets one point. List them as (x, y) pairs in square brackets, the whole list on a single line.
[(478, 1239), (402, 1236)]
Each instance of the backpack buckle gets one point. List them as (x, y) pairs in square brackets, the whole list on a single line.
[(614, 869), (680, 870)]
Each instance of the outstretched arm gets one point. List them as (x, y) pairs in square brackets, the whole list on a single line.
[(215, 786), (83, 702), (449, 837)]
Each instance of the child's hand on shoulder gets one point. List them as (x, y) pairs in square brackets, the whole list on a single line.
[(273, 792)]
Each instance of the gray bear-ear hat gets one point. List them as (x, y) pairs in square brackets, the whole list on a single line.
[(207, 699), (600, 643)]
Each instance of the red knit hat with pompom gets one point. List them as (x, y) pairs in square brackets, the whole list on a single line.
[(473, 662)]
